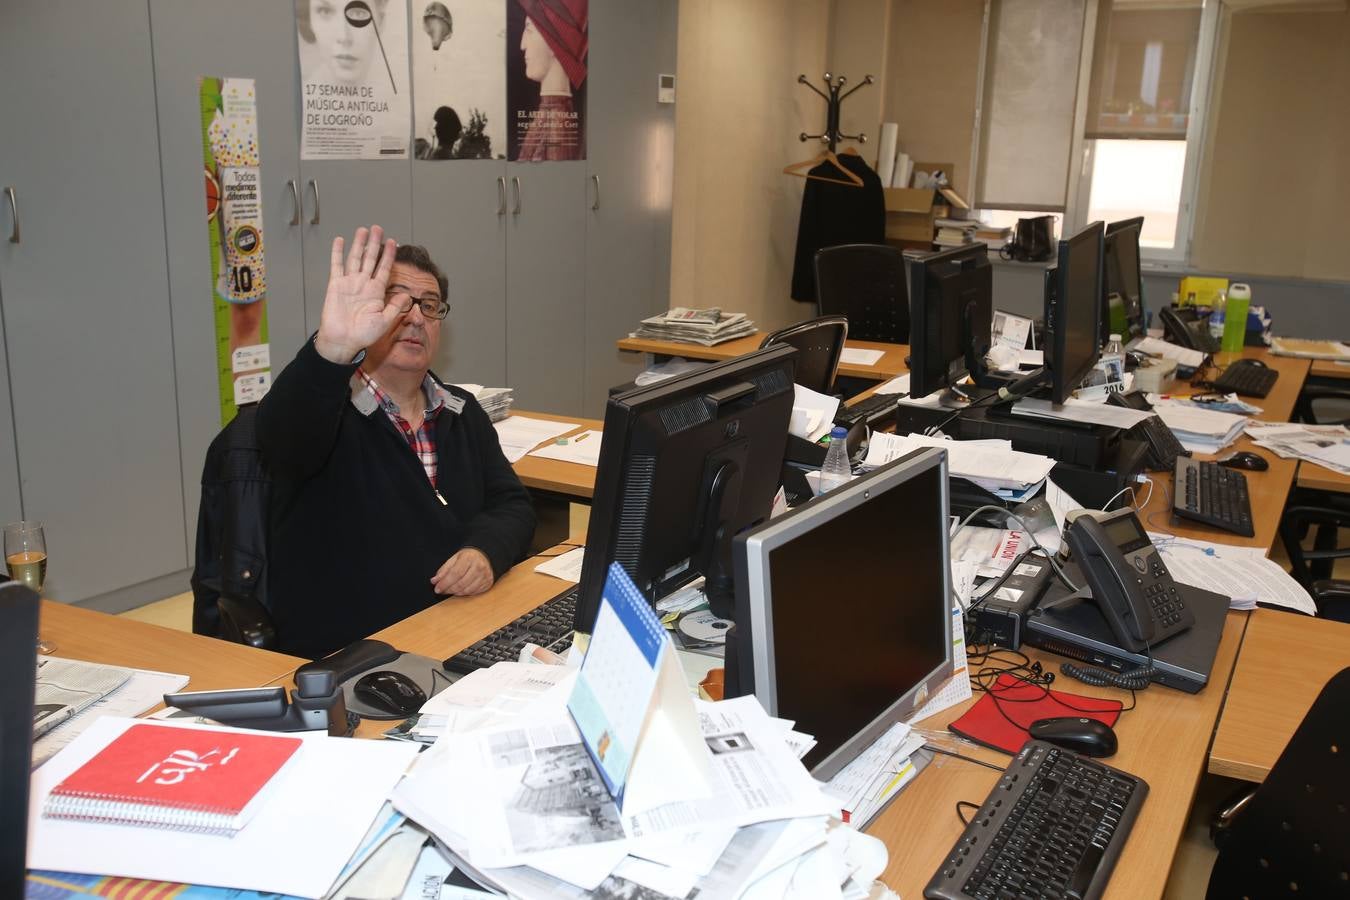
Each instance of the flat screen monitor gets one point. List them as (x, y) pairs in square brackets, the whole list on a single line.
[(1123, 294), (951, 316), (1073, 311), (844, 607), (18, 672), (685, 464)]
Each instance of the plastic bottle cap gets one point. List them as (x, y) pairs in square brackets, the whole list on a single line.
[(1115, 337), (838, 431)]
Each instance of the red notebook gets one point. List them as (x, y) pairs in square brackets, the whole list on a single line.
[(987, 724), (165, 776)]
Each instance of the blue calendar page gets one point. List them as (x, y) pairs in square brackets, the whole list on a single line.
[(618, 678)]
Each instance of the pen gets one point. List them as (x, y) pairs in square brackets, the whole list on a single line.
[(581, 437)]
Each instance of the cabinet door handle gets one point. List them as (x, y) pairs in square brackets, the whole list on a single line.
[(595, 180), (515, 187), (295, 202), (314, 186), (501, 195), (14, 212)]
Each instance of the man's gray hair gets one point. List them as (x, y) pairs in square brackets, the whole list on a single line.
[(417, 256)]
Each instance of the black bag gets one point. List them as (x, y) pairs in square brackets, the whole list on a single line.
[(1032, 240)]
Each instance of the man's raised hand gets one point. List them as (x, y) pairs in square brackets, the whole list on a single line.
[(354, 313)]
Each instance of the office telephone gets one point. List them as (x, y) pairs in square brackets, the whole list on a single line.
[(1128, 580), (1183, 325)]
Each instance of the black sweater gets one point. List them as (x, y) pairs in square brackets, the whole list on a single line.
[(356, 530)]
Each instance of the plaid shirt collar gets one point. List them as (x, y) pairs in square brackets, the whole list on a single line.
[(368, 397)]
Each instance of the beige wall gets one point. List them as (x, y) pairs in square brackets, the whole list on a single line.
[(1275, 189), (738, 112)]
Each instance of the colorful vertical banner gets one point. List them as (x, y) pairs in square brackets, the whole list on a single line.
[(353, 78), (546, 49), (234, 225)]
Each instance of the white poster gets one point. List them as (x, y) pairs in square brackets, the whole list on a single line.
[(354, 78), (459, 76)]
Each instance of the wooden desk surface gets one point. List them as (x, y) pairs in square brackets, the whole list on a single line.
[(1329, 368), (1163, 741), (210, 664), (1320, 478), (1286, 660), (555, 475), (891, 364)]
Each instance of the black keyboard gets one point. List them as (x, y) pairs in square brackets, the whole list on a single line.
[(1052, 827), (870, 410), (1209, 493), (549, 625), (1246, 377)]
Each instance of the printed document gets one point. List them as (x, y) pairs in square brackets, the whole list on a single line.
[(857, 357), (1243, 573), (518, 435), (583, 448)]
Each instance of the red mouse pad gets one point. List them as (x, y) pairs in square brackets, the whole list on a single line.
[(1001, 717)]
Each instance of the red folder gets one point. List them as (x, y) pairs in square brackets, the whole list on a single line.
[(1023, 703)]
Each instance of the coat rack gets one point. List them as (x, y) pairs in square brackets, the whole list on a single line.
[(833, 99)]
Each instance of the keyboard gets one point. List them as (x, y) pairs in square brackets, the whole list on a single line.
[(549, 625), (1246, 377), (1053, 826), (870, 410), (1209, 493)]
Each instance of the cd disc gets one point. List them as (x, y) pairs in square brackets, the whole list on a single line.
[(704, 626)]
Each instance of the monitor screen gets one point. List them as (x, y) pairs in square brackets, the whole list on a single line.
[(1123, 295), (685, 464), (1076, 310), (847, 604), (951, 316)]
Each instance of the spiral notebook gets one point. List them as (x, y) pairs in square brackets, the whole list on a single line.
[(189, 779)]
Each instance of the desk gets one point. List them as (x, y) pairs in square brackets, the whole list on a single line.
[(555, 484), (1329, 368), (1286, 660), (209, 664), (891, 364), (1320, 478)]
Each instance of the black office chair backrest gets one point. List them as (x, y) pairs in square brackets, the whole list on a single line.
[(819, 343), (1293, 839), (866, 283), (18, 669)]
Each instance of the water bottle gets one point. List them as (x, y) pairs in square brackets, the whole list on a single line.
[(1235, 318), (1112, 363), (1216, 314), (836, 470)]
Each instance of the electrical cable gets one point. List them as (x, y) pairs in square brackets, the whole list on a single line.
[(1059, 573), (961, 803), (934, 429), (1125, 490), (969, 759)]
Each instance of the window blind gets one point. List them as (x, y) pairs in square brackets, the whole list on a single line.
[(1027, 112), (1143, 63)]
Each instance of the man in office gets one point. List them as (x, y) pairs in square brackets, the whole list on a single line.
[(390, 489)]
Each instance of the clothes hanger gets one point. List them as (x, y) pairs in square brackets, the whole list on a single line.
[(802, 169)]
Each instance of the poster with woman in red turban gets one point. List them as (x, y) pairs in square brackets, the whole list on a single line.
[(546, 48)]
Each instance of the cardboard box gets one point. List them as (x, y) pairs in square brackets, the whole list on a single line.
[(911, 212)]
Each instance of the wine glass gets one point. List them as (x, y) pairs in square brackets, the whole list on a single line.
[(26, 560)]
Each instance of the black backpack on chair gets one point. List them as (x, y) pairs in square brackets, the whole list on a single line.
[(229, 585)]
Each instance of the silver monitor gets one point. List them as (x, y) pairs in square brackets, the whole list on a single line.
[(843, 607)]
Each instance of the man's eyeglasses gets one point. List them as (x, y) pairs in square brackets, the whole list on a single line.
[(432, 307)]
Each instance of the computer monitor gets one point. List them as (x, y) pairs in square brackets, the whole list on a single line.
[(844, 607), (951, 316), (18, 672), (685, 464), (1073, 310), (1123, 292)]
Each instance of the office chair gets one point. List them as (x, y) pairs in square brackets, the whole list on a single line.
[(1324, 515), (1291, 839), (865, 283), (819, 343), (1322, 405)]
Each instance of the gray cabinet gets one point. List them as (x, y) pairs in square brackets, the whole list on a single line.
[(87, 324)]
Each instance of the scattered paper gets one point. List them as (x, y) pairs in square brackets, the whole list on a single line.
[(990, 550), (990, 464), (897, 385), (1200, 430), (566, 566), (812, 413), (518, 435), (866, 783), (583, 448), (1325, 445), (1031, 359), (1243, 573), (142, 691), (858, 357), (1184, 356), (1074, 410)]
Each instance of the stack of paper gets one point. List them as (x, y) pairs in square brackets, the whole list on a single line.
[(496, 402), (992, 464), (519, 435), (1309, 349), (690, 326), (864, 786), (1243, 573), (812, 413), (1326, 445), (1200, 430)]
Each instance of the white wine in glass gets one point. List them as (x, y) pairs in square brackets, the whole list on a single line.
[(26, 560)]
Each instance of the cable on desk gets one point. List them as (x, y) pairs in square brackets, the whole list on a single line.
[(1054, 565), (970, 759), (1135, 680), (961, 803)]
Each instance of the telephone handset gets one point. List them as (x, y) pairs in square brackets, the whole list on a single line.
[(1182, 326), (1128, 580)]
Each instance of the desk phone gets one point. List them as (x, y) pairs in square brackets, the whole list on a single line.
[(1128, 579)]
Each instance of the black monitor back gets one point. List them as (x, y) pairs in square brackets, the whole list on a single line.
[(700, 448), (952, 313), (1074, 312), (18, 671), (1123, 278)]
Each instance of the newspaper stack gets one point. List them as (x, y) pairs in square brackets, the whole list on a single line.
[(496, 402), (1198, 430), (514, 801), (696, 326), (1325, 445)]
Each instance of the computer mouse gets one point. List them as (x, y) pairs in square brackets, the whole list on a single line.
[(1081, 735), (1256, 363), (389, 691), (1245, 459)]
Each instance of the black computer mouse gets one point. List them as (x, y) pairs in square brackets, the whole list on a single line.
[(391, 692), (1245, 459), (1079, 734), (1256, 363)]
